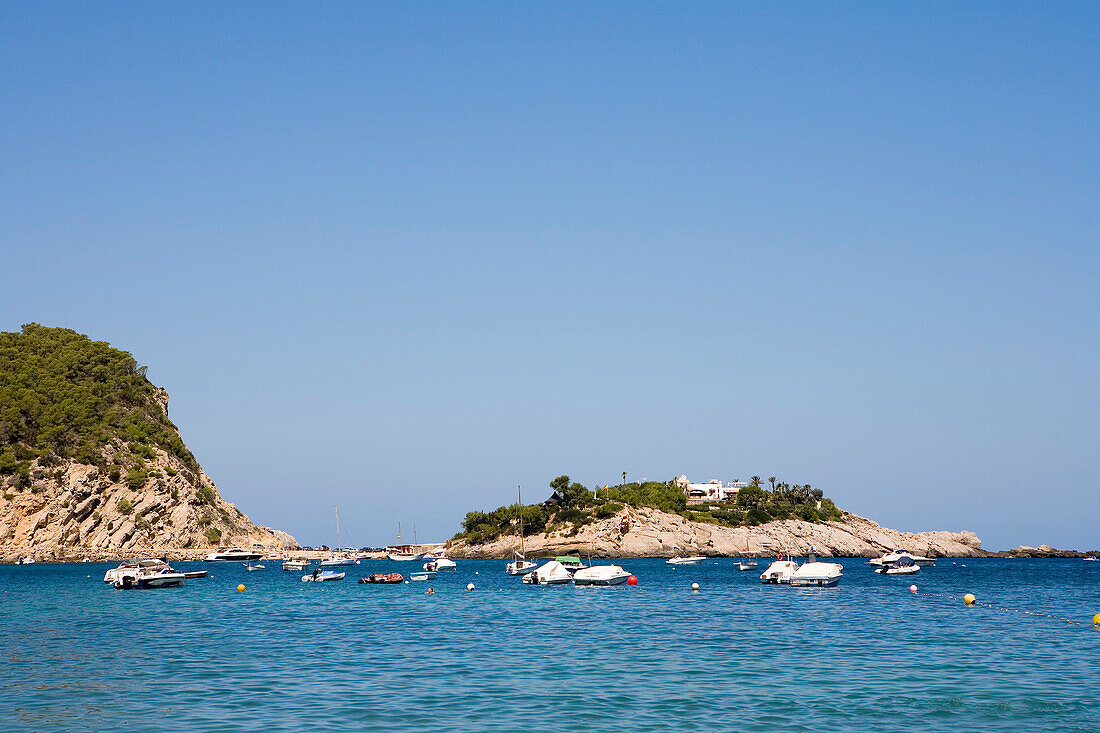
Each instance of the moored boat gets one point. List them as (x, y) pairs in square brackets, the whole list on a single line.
[(893, 557), (817, 574), (232, 554), (686, 560), (440, 563), (295, 564), (601, 575), (422, 575), (904, 566), (779, 571), (320, 576), (551, 573), (382, 578)]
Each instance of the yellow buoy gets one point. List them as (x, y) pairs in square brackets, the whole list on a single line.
[(1096, 619), (969, 599), (240, 588)]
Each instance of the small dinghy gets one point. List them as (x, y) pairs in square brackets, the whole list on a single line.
[(319, 577), (192, 574), (383, 578), (422, 575), (691, 560)]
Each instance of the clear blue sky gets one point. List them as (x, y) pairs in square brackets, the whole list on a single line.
[(403, 257)]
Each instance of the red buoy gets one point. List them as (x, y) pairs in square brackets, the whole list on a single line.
[(632, 580)]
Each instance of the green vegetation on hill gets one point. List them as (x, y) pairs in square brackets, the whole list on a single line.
[(573, 505), (64, 396)]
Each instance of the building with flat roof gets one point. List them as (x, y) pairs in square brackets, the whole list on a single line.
[(713, 490)]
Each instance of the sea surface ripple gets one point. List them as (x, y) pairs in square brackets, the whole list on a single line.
[(736, 656)]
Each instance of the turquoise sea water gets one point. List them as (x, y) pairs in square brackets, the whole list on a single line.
[(76, 654)]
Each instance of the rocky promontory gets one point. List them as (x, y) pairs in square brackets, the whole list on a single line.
[(90, 465), (650, 532)]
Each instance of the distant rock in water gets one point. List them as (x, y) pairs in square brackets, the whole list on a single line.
[(90, 464), (649, 532)]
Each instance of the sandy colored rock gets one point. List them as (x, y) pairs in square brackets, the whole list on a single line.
[(645, 532), (73, 511)]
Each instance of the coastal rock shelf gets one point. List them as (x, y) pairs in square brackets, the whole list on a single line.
[(645, 532)]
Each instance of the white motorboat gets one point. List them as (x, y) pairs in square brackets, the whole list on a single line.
[(436, 553), (572, 563), (601, 575), (253, 568), (440, 563), (1090, 558), (424, 575), (26, 561), (319, 576), (747, 564), (551, 573), (689, 560), (815, 573), (131, 567), (147, 572), (779, 571), (339, 561), (904, 566), (295, 564), (232, 554), (892, 558)]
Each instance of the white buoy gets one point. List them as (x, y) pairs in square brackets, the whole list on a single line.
[(469, 586), (912, 589), (695, 587)]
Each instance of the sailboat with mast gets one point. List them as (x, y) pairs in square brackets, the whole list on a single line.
[(339, 558), (521, 565), (402, 552)]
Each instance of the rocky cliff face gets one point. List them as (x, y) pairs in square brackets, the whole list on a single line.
[(73, 510), (647, 532)]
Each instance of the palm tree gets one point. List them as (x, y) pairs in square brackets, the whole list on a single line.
[(755, 481), (771, 480)]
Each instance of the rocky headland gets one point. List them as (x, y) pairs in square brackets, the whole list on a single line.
[(90, 465), (650, 532)]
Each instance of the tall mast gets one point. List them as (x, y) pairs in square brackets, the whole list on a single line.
[(519, 512), (337, 510)]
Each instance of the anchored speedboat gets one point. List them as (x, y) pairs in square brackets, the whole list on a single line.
[(232, 554), (814, 573), (552, 573), (779, 571), (601, 575)]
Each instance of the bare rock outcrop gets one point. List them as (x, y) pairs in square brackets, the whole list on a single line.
[(645, 532), (74, 510)]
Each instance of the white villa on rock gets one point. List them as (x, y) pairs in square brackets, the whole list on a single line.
[(713, 490)]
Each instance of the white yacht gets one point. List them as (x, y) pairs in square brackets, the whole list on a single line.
[(689, 560), (232, 554), (552, 573), (295, 564), (440, 563), (815, 573), (893, 557), (601, 575), (339, 561), (779, 571)]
